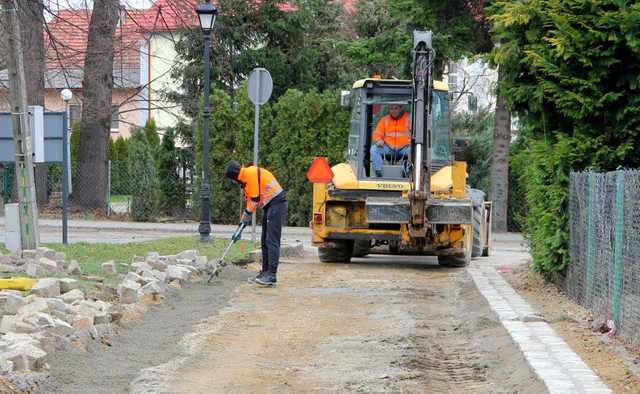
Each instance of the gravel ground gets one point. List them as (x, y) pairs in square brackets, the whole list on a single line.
[(154, 340), (365, 327)]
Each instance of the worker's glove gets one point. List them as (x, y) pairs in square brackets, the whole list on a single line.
[(246, 217), (380, 143), (237, 234)]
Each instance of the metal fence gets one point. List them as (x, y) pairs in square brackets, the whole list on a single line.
[(604, 273), (119, 196)]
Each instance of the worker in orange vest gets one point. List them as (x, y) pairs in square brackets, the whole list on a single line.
[(391, 138), (261, 189)]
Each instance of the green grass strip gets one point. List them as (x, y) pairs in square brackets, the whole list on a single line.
[(90, 256)]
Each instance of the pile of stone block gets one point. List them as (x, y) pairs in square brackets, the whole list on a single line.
[(57, 313), (38, 263), (151, 275)]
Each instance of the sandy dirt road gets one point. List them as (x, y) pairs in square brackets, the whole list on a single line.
[(364, 327)]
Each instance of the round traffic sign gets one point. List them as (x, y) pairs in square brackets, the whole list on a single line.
[(260, 86)]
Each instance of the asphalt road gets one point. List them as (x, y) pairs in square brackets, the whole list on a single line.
[(122, 232)]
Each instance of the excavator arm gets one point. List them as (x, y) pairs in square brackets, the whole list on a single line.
[(423, 58)]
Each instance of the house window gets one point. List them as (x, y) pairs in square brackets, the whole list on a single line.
[(114, 117), (75, 114)]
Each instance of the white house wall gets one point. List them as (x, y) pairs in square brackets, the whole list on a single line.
[(163, 58), (143, 103)]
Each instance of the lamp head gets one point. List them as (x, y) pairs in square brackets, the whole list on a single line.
[(207, 13), (66, 95)]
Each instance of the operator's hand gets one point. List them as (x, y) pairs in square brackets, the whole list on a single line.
[(380, 143)]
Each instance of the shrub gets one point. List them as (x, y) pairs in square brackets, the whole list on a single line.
[(151, 133), (305, 125), (172, 199), (478, 129), (568, 70), (120, 179), (293, 130), (144, 180)]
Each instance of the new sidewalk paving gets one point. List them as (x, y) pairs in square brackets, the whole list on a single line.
[(549, 356)]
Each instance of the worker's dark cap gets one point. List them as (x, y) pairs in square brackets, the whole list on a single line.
[(233, 170)]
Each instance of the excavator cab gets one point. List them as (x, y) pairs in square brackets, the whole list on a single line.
[(370, 101)]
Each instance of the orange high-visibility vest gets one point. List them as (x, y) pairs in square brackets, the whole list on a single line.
[(394, 132), (259, 187)]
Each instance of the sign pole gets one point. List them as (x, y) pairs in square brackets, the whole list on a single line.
[(256, 134), (22, 125), (260, 88)]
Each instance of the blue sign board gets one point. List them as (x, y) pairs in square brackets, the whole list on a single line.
[(53, 128)]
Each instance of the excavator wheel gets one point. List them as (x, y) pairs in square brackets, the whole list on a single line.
[(361, 248), (459, 260), (477, 196), (394, 247), (338, 251)]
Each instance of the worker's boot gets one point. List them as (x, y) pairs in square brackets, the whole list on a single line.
[(254, 278), (268, 279)]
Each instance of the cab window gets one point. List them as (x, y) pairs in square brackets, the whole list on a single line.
[(379, 106), (354, 129), (441, 136)]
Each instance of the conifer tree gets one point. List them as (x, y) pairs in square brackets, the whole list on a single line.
[(144, 179), (172, 199)]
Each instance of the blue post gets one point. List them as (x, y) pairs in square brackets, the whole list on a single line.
[(65, 177)]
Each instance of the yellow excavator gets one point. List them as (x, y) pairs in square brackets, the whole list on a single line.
[(419, 204)]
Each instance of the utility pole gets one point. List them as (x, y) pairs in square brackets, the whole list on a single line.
[(21, 129)]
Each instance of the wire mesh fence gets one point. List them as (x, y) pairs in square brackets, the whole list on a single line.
[(604, 273), (120, 195)]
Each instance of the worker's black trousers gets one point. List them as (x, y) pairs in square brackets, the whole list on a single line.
[(273, 218)]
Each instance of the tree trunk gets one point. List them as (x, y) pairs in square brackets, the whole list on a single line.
[(500, 163), (90, 188), (31, 19)]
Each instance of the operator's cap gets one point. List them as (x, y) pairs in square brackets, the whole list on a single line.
[(233, 170)]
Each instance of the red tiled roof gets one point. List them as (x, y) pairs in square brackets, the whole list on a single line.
[(66, 34), (66, 40), (172, 15), (169, 15)]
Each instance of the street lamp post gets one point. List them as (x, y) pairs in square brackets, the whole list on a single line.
[(207, 13)]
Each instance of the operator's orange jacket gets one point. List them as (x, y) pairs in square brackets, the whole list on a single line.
[(394, 132), (259, 188)]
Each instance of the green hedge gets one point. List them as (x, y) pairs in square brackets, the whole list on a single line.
[(293, 130), (569, 70)]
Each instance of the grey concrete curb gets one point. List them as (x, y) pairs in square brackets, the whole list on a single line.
[(287, 251), (549, 356)]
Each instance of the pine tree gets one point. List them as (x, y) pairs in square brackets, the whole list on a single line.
[(144, 179), (151, 132), (120, 179), (172, 198)]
